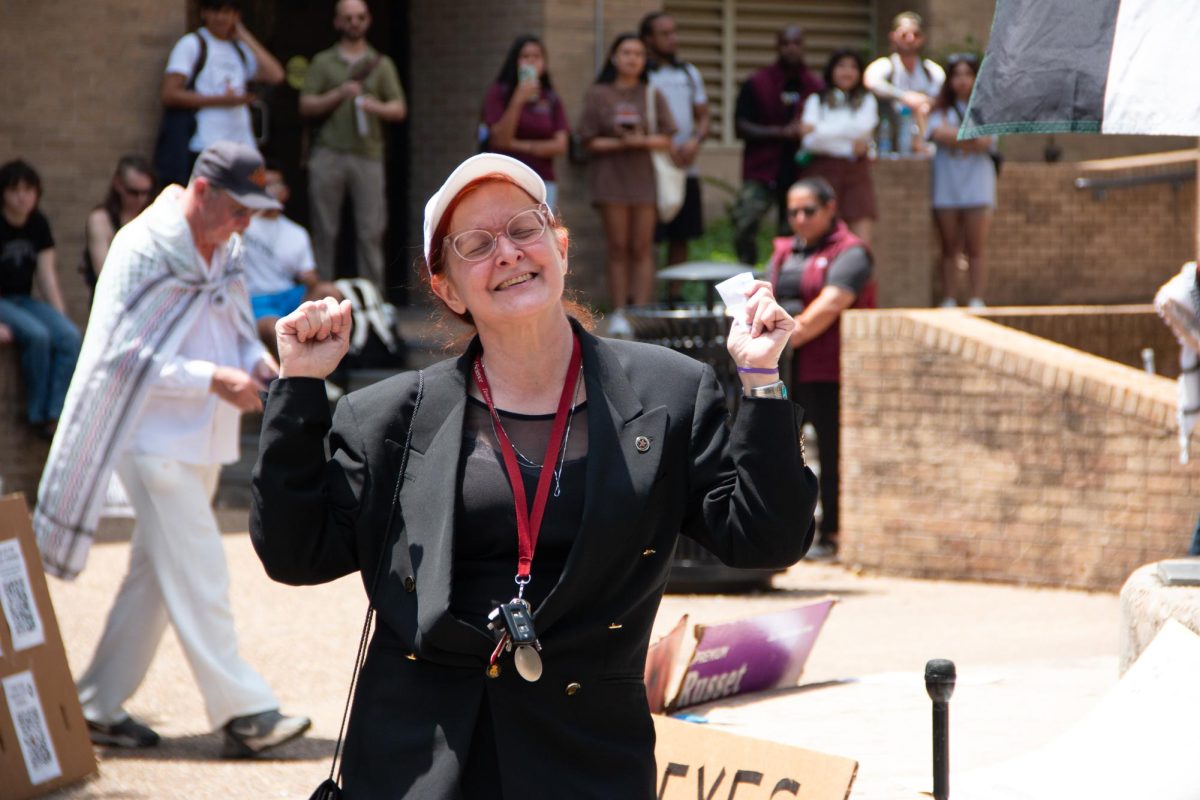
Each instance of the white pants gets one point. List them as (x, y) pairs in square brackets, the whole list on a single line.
[(177, 573)]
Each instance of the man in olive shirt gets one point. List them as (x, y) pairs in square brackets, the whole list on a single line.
[(350, 91)]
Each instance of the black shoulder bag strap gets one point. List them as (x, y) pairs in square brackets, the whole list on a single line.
[(329, 788), (201, 60)]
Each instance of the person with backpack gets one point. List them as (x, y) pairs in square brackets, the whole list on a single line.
[(205, 89), (683, 87), (350, 91), (905, 84)]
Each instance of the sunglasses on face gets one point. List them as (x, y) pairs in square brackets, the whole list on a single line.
[(134, 191), (804, 211)]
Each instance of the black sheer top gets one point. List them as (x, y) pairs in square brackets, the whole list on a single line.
[(485, 530)]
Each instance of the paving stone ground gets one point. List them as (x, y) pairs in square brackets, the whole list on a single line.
[(1030, 662)]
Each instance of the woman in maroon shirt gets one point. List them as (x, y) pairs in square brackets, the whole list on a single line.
[(524, 115)]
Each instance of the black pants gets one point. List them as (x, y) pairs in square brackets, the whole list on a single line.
[(822, 407)]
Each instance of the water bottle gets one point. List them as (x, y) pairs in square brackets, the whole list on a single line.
[(885, 138), (904, 136)]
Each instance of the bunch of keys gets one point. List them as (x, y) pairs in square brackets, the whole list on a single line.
[(513, 621)]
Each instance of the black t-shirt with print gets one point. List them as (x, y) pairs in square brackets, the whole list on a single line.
[(19, 249)]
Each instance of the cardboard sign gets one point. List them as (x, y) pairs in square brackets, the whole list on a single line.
[(751, 655), (696, 761), (661, 661), (44, 743)]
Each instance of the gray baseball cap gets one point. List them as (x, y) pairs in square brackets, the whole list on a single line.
[(240, 171)]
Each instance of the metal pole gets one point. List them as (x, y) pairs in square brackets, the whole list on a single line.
[(939, 682)]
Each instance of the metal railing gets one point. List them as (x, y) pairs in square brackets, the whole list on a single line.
[(1099, 186)]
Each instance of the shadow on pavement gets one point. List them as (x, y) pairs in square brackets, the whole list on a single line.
[(207, 747)]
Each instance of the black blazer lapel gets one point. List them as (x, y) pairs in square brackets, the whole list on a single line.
[(619, 478), (427, 505)]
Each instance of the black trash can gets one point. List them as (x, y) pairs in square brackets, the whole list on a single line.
[(696, 328)]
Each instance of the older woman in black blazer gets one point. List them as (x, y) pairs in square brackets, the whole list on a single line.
[(611, 448)]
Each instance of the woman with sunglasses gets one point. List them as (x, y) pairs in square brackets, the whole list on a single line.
[(618, 131), (129, 194), (838, 125), (542, 452), (964, 184), (819, 272)]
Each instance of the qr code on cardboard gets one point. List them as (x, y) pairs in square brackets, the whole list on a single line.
[(32, 733), (20, 605)]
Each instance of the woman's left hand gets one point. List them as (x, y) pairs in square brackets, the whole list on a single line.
[(760, 342)]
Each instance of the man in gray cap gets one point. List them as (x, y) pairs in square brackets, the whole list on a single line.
[(170, 360)]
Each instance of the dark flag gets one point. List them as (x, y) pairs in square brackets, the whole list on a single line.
[(1089, 66)]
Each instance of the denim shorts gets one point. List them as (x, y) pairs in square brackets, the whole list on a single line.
[(279, 304)]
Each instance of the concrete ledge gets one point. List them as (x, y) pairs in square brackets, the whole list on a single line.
[(974, 451), (1146, 605)]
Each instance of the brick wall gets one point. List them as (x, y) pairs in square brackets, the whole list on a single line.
[(1117, 333), (1050, 243), (974, 451), (21, 453), (903, 239), (80, 90)]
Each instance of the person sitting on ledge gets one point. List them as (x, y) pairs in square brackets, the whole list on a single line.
[(49, 342)]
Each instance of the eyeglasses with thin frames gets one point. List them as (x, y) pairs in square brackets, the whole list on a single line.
[(523, 228)]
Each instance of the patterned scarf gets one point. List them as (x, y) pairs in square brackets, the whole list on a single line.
[(149, 294)]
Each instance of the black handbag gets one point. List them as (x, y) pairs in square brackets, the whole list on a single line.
[(330, 788)]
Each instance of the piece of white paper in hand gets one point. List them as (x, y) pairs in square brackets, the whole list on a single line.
[(733, 295)]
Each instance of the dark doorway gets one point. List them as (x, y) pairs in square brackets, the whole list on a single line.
[(294, 31)]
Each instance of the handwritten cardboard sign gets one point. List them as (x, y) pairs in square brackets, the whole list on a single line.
[(695, 760)]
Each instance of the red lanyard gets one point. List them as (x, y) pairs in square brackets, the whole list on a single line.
[(529, 524)]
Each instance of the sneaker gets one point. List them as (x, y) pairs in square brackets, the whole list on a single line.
[(949, 302), (821, 551), (256, 733), (618, 325), (976, 302), (126, 733)]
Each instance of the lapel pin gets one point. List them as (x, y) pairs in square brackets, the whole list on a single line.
[(642, 443)]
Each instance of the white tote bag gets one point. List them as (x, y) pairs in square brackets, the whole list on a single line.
[(670, 181)]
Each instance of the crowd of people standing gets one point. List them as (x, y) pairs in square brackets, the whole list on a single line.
[(809, 142)]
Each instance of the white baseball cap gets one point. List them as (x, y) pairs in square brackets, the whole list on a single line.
[(472, 169)]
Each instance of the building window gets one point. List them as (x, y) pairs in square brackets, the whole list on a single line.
[(729, 39)]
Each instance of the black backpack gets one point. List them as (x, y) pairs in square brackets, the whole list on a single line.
[(172, 154)]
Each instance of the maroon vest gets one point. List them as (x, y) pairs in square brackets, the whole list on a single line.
[(820, 359), (761, 160)]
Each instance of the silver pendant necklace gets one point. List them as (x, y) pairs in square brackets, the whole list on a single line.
[(562, 457)]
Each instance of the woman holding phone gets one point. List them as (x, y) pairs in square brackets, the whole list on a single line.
[(524, 115), (620, 133)]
